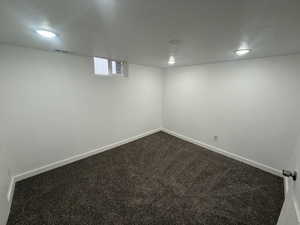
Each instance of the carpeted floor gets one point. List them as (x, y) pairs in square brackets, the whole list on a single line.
[(159, 180)]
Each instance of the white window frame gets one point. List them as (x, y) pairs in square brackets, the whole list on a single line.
[(124, 68)]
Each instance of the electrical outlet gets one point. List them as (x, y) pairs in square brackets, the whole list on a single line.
[(216, 138)]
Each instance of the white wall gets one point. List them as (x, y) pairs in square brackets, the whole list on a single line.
[(53, 107), (252, 105), (295, 166), (5, 164), (290, 213), (4, 183)]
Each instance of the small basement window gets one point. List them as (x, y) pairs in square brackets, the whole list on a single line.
[(109, 67)]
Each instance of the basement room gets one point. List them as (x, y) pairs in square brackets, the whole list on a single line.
[(140, 112)]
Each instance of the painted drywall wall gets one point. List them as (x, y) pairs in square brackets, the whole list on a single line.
[(53, 107), (290, 213), (5, 165), (4, 205), (295, 185), (251, 105)]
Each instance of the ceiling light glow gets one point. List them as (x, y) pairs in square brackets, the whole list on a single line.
[(242, 52), (46, 34), (171, 60)]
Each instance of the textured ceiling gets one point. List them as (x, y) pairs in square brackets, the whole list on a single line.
[(139, 30)]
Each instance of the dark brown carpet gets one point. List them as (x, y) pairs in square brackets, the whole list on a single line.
[(159, 180)]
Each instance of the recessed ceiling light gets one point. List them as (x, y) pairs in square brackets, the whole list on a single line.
[(242, 52), (171, 60), (46, 33)]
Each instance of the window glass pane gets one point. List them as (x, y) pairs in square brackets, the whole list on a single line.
[(116, 67), (101, 66), (113, 67), (119, 67)]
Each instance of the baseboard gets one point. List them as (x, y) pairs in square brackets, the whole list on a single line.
[(225, 153), (11, 190), (66, 161), (71, 159)]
